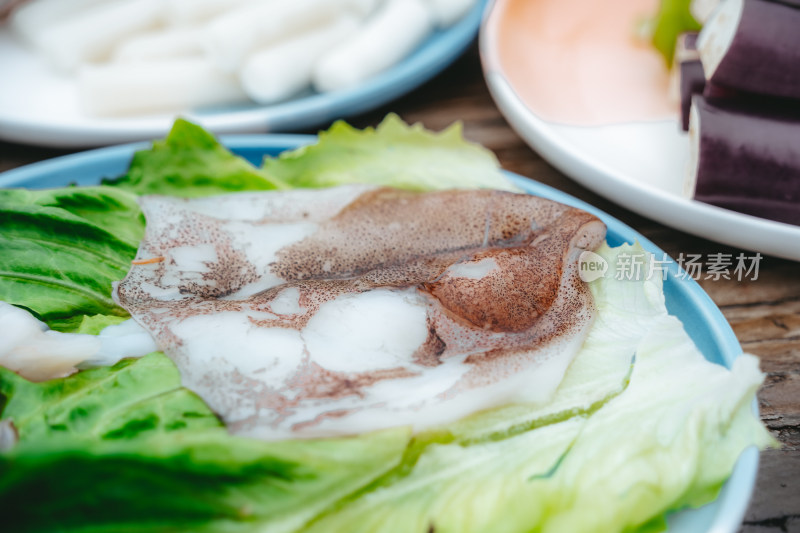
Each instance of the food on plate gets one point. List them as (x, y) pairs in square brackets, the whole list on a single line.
[(353, 309), (751, 46), (146, 56), (234, 35), (745, 159), (639, 424), (165, 44), (740, 102), (673, 18), (688, 74), (35, 352), (396, 28), (81, 31), (295, 58), (160, 86), (739, 91), (60, 287)]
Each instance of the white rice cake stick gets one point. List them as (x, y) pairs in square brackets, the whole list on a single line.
[(169, 85), (280, 71), (167, 44), (93, 34), (396, 29), (32, 19), (233, 36), (191, 12)]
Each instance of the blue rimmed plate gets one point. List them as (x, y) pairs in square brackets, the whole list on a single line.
[(40, 107), (685, 299)]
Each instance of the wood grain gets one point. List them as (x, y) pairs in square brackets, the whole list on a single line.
[(764, 314)]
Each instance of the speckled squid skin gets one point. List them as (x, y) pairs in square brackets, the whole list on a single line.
[(495, 272)]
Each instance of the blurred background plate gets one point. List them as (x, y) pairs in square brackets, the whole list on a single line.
[(573, 80), (40, 107)]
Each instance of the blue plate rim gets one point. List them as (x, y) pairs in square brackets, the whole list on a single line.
[(734, 498), (443, 47)]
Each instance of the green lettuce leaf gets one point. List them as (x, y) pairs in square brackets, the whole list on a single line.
[(393, 154), (611, 452), (63, 248), (674, 17), (190, 162), (132, 398), (93, 325), (126, 448), (102, 206)]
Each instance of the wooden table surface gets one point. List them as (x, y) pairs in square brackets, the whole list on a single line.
[(765, 313)]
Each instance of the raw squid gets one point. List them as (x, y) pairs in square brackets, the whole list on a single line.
[(313, 313), (37, 353)]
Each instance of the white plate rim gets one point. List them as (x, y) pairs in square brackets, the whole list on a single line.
[(697, 218)]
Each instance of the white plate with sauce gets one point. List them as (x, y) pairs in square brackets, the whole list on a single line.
[(573, 80), (37, 106)]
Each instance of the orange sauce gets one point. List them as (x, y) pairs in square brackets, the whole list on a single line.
[(580, 62)]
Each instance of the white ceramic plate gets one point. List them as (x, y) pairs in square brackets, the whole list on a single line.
[(40, 107), (573, 82)]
